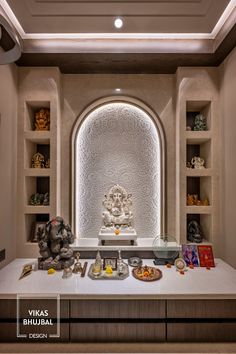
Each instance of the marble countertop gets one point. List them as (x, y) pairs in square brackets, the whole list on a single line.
[(198, 283)]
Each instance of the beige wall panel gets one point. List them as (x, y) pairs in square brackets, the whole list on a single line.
[(8, 160), (228, 167)]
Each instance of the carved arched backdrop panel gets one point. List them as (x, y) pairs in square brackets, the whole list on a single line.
[(118, 143)]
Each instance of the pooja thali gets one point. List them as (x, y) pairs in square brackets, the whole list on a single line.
[(147, 273)]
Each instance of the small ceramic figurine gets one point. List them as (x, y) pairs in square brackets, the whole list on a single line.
[(39, 199), (47, 163), (38, 160), (192, 199), (200, 123), (194, 232), (67, 272), (77, 266), (121, 266), (198, 162), (54, 240), (42, 119), (189, 165)]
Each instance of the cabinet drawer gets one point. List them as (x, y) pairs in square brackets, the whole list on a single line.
[(117, 309), (117, 332), (8, 333), (201, 309), (8, 307), (201, 332)]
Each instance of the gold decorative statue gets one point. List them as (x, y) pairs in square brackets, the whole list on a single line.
[(42, 119), (38, 160)]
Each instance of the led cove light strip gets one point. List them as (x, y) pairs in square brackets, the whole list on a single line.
[(212, 35)]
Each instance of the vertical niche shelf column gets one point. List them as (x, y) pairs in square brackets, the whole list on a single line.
[(35, 180), (203, 182)]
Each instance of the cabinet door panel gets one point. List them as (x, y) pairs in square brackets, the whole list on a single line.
[(117, 309), (8, 307), (117, 332), (201, 332), (201, 308), (8, 333)]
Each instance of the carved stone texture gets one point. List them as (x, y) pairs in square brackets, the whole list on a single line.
[(118, 143), (54, 240)]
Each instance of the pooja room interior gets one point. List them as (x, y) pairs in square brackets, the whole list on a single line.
[(124, 82), (168, 78)]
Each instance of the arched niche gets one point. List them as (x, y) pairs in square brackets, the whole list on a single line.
[(118, 140)]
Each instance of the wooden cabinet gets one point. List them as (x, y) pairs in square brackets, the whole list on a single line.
[(201, 320), (132, 320)]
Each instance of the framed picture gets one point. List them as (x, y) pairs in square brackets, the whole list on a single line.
[(206, 257), (35, 228), (190, 255), (112, 261)]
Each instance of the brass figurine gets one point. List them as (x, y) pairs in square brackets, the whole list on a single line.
[(42, 119), (37, 160)]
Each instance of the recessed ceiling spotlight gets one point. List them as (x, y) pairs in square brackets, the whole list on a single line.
[(118, 90), (118, 22)]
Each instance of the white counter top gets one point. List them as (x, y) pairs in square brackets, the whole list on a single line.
[(198, 283)]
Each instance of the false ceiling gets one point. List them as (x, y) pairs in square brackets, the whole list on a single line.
[(96, 16), (158, 36)]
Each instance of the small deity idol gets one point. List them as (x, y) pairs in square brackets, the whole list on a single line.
[(38, 160), (198, 162), (200, 123), (42, 119)]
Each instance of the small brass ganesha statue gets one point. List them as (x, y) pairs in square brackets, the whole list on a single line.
[(42, 119)]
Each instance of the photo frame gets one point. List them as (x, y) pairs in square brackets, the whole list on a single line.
[(35, 227), (112, 261)]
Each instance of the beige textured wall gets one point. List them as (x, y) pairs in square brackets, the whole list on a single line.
[(8, 137), (228, 151), (156, 91)]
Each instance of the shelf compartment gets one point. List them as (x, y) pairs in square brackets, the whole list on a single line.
[(202, 150), (198, 107), (31, 107), (32, 148), (201, 186), (205, 221), (36, 185), (32, 221)]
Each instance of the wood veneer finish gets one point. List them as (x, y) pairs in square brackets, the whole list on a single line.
[(8, 307), (117, 309), (117, 332), (8, 333), (201, 309), (201, 332)]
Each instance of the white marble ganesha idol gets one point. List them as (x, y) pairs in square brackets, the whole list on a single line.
[(117, 203)]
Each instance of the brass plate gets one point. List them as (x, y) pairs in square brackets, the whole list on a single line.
[(156, 274)]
